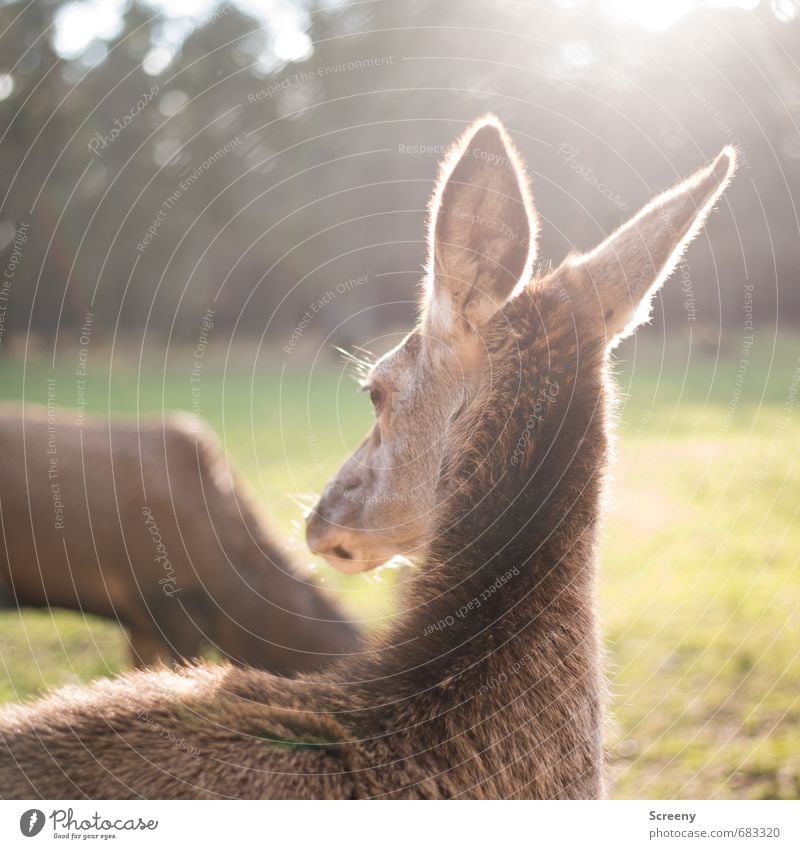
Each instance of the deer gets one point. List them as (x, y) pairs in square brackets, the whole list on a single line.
[(492, 436), (146, 523)]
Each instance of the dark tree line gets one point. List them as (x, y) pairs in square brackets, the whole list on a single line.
[(260, 189)]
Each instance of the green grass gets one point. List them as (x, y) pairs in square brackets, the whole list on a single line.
[(700, 594)]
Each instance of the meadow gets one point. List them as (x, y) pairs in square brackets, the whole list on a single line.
[(700, 585)]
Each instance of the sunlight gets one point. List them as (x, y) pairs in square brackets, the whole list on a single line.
[(6, 86), (656, 15), (292, 46), (78, 24), (650, 14), (81, 23)]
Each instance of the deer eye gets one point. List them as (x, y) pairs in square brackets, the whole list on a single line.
[(376, 396)]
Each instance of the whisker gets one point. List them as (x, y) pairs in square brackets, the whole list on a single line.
[(359, 362), (304, 500)]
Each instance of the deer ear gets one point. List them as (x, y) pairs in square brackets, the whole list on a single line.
[(628, 268), (482, 231)]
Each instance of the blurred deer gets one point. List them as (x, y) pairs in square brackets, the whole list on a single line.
[(146, 524), (491, 436)]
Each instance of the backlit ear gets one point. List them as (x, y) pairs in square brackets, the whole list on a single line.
[(482, 231), (623, 273)]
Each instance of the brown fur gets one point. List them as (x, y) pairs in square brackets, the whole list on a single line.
[(490, 684), (222, 579)]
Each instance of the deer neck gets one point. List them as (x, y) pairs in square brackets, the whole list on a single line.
[(510, 574), (495, 665)]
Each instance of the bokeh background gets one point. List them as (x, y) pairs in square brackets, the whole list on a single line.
[(200, 202)]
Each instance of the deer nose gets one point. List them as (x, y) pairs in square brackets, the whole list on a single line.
[(324, 538)]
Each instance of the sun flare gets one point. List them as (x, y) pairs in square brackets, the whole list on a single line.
[(659, 15)]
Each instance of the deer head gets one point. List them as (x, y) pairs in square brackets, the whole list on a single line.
[(481, 244)]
